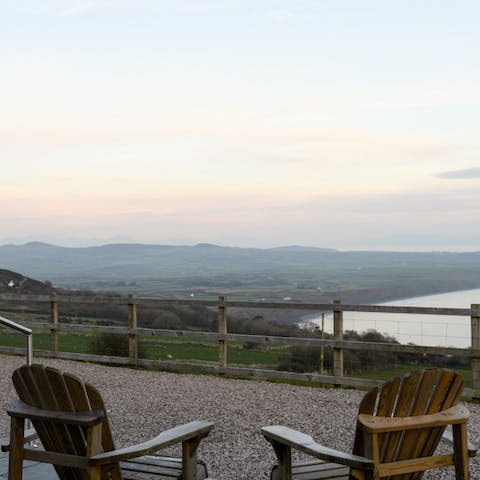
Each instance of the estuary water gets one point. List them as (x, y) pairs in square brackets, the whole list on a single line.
[(431, 330)]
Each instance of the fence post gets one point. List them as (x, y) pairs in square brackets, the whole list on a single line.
[(132, 323), (475, 322), (322, 348), (337, 335), (222, 331), (54, 322)]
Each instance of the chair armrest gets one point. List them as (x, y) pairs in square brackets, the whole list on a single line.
[(28, 436), (20, 409), (454, 415), (448, 438), (182, 433), (305, 443)]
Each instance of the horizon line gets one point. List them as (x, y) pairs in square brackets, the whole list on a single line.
[(215, 245)]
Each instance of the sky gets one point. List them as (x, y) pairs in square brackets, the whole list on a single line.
[(349, 124)]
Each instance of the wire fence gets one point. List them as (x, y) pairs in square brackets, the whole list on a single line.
[(426, 330)]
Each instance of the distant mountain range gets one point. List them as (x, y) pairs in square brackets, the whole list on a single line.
[(52, 262), (303, 273)]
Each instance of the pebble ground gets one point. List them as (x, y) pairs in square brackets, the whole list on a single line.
[(143, 403)]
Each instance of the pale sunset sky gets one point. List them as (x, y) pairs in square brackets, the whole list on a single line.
[(351, 124)]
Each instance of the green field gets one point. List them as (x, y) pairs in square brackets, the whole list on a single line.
[(188, 350), (204, 351)]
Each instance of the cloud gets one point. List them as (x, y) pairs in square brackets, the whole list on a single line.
[(80, 9), (466, 173)]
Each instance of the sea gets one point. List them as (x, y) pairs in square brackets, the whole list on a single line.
[(427, 330)]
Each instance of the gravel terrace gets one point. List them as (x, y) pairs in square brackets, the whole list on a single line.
[(143, 403)]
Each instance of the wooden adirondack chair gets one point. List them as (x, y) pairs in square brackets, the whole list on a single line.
[(70, 419), (398, 429)]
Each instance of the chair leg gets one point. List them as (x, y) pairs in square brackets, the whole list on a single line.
[(94, 473), (15, 460), (284, 458), (460, 448), (94, 446), (189, 458)]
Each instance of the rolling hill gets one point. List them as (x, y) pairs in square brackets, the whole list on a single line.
[(206, 270), (13, 282)]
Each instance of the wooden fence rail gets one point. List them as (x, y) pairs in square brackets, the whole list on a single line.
[(337, 343)]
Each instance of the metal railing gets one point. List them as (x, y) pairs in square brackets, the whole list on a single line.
[(27, 332)]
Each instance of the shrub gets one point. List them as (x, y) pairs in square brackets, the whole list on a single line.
[(113, 344), (305, 359)]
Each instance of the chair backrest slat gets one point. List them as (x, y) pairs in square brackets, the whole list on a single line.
[(387, 401), (427, 392)]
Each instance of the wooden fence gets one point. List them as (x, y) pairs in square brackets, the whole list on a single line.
[(337, 343)]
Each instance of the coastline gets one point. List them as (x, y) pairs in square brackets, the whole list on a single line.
[(396, 300)]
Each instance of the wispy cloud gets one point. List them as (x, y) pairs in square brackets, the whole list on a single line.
[(466, 173), (80, 9)]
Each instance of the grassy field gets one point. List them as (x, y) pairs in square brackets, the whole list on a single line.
[(168, 349), (205, 351)]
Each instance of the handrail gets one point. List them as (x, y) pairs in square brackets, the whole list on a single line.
[(27, 332)]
